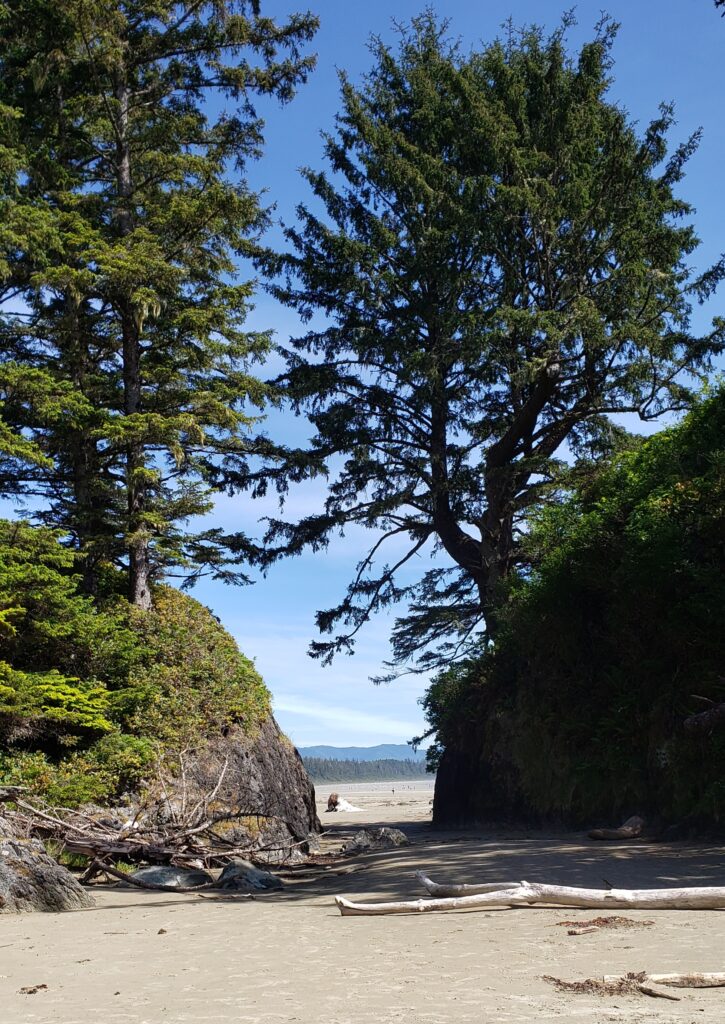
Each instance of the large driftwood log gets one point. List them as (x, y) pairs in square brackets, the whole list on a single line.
[(527, 894)]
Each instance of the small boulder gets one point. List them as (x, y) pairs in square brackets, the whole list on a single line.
[(242, 876), (176, 878), (31, 880), (369, 839)]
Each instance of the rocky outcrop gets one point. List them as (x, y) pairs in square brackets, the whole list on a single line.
[(172, 877), (473, 788), (242, 876), (368, 840), (259, 779), (31, 880)]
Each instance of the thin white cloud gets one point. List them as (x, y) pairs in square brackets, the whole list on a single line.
[(334, 719)]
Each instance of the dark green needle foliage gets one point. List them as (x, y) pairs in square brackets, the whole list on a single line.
[(500, 258), (129, 125)]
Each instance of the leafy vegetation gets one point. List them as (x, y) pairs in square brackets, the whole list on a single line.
[(327, 769), (501, 258), (613, 640), (93, 693)]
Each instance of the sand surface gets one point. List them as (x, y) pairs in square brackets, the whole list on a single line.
[(149, 958)]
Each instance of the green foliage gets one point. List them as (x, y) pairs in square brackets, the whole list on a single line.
[(611, 643), (190, 677), (386, 769), (500, 255), (125, 131), (91, 695)]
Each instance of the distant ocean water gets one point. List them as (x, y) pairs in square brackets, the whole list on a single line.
[(348, 788)]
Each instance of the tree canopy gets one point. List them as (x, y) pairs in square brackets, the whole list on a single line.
[(501, 261), (127, 127)]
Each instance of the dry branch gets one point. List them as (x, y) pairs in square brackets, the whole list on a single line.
[(526, 894), (167, 829), (628, 984), (436, 889)]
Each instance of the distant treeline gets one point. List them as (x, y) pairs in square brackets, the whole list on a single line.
[(327, 769)]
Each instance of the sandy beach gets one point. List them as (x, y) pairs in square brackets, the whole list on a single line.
[(147, 958)]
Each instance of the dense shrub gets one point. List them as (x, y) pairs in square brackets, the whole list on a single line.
[(616, 637), (91, 695)]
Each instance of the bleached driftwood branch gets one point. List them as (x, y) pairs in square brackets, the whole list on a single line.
[(695, 979), (527, 894), (436, 889)]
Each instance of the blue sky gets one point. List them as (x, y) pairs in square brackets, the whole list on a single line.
[(665, 51)]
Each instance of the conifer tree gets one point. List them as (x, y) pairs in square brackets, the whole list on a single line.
[(502, 262), (26, 232), (137, 121)]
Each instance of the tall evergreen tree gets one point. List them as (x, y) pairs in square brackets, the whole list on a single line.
[(26, 231), (502, 263), (137, 122)]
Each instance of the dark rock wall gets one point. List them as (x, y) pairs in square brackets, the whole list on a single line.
[(265, 782), (31, 880), (476, 786)]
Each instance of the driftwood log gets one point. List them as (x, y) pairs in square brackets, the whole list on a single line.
[(647, 984), (527, 894), (631, 829), (693, 980)]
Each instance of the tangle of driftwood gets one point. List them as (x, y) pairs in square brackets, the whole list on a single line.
[(185, 835)]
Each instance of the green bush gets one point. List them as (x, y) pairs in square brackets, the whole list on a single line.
[(577, 713), (91, 695)]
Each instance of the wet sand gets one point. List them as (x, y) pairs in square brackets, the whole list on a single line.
[(146, 958)]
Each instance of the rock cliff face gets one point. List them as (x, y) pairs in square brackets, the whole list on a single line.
[(474, 787), (261, 779), (31, 880)]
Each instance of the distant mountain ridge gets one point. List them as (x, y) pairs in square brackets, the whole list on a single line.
[(383, 751)]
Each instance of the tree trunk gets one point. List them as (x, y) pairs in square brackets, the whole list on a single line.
[(139, 574), (83, 454)]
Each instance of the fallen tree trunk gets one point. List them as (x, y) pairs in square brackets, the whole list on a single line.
[(527, 894)]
